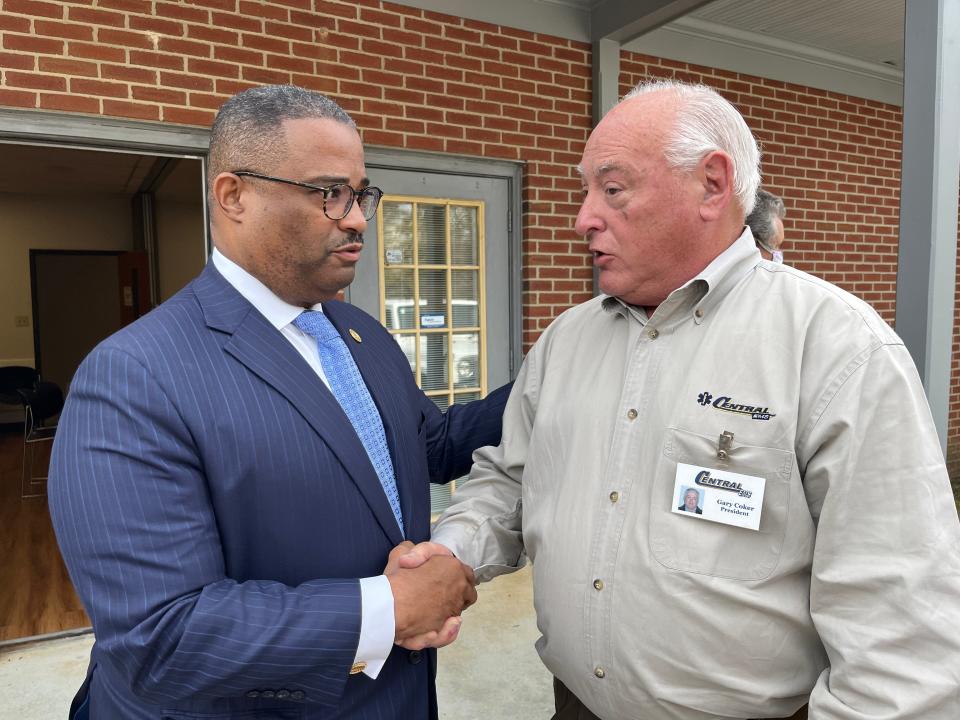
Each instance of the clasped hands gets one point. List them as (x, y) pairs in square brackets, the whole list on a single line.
[(430, 590)]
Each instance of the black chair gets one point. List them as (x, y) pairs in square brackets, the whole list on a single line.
[(13, 379), (42, 405)]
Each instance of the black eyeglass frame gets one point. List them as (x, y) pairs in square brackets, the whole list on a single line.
[(370, 191)]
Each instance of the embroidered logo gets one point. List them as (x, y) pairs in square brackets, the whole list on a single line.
[(726, 403)]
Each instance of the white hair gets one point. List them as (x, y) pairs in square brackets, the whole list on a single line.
[(706, 122)]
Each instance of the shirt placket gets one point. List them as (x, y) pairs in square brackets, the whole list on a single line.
[(620, 495)]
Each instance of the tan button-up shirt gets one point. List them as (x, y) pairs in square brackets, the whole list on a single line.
[(848, 594)]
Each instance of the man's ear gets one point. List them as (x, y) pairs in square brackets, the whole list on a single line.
[(227, 195), (715, 173)]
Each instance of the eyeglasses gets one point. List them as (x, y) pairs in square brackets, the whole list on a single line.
[(337, 199)]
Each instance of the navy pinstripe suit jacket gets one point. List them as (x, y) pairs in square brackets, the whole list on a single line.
[(215, 509)]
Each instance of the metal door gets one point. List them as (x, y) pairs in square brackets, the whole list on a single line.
[(437, 271)]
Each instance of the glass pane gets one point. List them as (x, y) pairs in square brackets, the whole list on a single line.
[(398, 306), (440, 497), (433, 299), (397, 233), (432, 234), (463, 234), (466, 359), (441, 401), (407, 343), (466, 298), (433, 361), (466, 397)]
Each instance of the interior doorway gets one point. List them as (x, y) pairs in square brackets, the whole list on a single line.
[(90, 239), (114, 286)]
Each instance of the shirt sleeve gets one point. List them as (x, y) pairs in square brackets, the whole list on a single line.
[(885, 581), (377, 625), (482, 526)]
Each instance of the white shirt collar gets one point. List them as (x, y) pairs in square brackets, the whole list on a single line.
[(278, 313)]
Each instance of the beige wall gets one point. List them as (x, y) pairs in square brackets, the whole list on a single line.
[(55, 223), (180, 251)]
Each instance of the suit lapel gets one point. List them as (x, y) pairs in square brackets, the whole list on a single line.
[(256, 344)]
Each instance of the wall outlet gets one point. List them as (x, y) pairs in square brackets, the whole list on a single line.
[(21, 321)]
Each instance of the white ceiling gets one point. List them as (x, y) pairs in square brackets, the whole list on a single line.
[(57, 171), (868, 30)]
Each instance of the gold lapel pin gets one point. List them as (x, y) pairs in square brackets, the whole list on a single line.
[(355, 335)]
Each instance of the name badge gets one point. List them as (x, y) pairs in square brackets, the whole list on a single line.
[(718, 495)]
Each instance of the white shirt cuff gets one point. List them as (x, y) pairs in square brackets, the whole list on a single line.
[(377, 626)]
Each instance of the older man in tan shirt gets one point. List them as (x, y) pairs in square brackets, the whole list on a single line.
[(824, 568)]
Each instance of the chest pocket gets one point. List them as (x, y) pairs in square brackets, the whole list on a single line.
[(701, 546)]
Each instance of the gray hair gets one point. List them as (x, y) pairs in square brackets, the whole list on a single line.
[(765, 209), (706, 122), (246, 132)]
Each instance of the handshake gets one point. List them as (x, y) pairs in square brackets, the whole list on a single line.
[(430, 590)]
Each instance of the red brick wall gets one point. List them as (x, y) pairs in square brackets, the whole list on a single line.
[(410, 78), (427, 81)]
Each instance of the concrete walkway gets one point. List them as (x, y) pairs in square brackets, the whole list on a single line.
[(492, 671)]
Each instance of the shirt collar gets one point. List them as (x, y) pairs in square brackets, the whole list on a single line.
[(728, 268), (278, 313), (707, 288)]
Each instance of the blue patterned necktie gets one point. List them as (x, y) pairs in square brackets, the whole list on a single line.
[(351, 392)]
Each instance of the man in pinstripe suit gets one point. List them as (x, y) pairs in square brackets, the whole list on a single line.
[(221, 518)]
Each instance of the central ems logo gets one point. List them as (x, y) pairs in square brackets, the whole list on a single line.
[(727, 404)]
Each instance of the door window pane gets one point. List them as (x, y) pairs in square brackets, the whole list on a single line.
[(434, 361), (398, 304), (433, 299), (464, 234), (465, 303), (431, 234), (397, 233), (408, 343), (466, 359)]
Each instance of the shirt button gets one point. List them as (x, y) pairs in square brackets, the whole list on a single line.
[(653, 333), (632, 414), (614, 496), (698, 312), (599, 672), (598, 584)]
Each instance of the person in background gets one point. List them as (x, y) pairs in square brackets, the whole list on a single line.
[(766, 224), (236, 472)]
